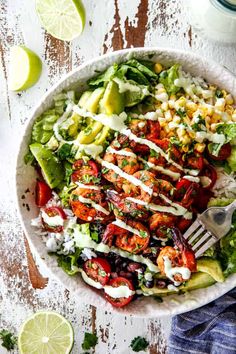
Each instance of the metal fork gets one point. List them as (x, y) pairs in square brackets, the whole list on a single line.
[(213, 224)]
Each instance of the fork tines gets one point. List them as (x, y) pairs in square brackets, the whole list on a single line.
[(206, 239)]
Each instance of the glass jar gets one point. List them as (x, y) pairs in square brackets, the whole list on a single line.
[(215, 19)]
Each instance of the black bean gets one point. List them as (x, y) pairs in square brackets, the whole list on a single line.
[(161, 284), (125, 274), (149, 284), (133, 266)]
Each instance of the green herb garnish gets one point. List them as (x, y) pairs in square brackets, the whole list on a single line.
[(138, 344), (8, 339), (90, 341)]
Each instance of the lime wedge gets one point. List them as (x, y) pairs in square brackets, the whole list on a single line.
[(25, 68), (46, 332), (63, 19)]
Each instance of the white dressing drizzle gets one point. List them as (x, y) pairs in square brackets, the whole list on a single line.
[(90, 281), (117, 123), (56, 220), (123, 225), (116, 293), (114, 121), (83, 240), (174, 209), (93, 204), (192, 179), (174, 175), (119, 292), (121, 152), (125, 175), (87, 186), (172, 271)]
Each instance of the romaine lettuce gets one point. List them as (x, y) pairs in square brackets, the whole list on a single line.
[(69, 263), (232, 159), (226, 251), (168, 77)]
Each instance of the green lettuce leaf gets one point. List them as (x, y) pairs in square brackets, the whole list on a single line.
[(145, 68), (229, 130), (232, 159), (104, 77), (167, 78), (228, 252), (69, 263)]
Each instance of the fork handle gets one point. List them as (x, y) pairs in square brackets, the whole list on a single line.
[(231, 207)]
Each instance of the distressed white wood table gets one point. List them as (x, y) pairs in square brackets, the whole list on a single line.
[(25, 286)]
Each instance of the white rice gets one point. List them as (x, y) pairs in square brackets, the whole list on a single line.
[(225, 186)]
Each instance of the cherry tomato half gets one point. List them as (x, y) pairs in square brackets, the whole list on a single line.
[(223, 154), (98, 269), (202, 198), (51, 212), (210, 176), (181, 188), (122, 301), (83, 170), (42, 193)]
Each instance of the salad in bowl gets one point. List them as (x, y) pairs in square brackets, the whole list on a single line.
[(124, 168)]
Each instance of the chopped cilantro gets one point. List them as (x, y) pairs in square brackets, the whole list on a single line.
[(90, 341), (219, 93), (124, 163), (138, 344), (105, 170), (180, 112), (102, 273), (8, 339), (199, 125), (142, 233), (89, 178), (175, 141), (153, 153)]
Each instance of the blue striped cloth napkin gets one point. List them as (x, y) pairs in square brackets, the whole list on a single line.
[(210, 329)]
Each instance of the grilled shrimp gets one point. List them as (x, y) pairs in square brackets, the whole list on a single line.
[(160, 222), (147, 178), (89, 204), (128, 164), (182, 256), (126, 240), (125, 206)]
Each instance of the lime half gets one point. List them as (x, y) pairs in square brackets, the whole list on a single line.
[(25, 68), (46, 332), (63, 19)]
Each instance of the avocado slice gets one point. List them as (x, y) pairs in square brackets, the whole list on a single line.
[(101, 137), (212, 267), (197, 281), (69, 128), (93, 100), (88, 135), (84, 98), (113, 101), (52, 170)]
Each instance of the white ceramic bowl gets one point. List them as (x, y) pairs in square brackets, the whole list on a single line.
[(25, 180)]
